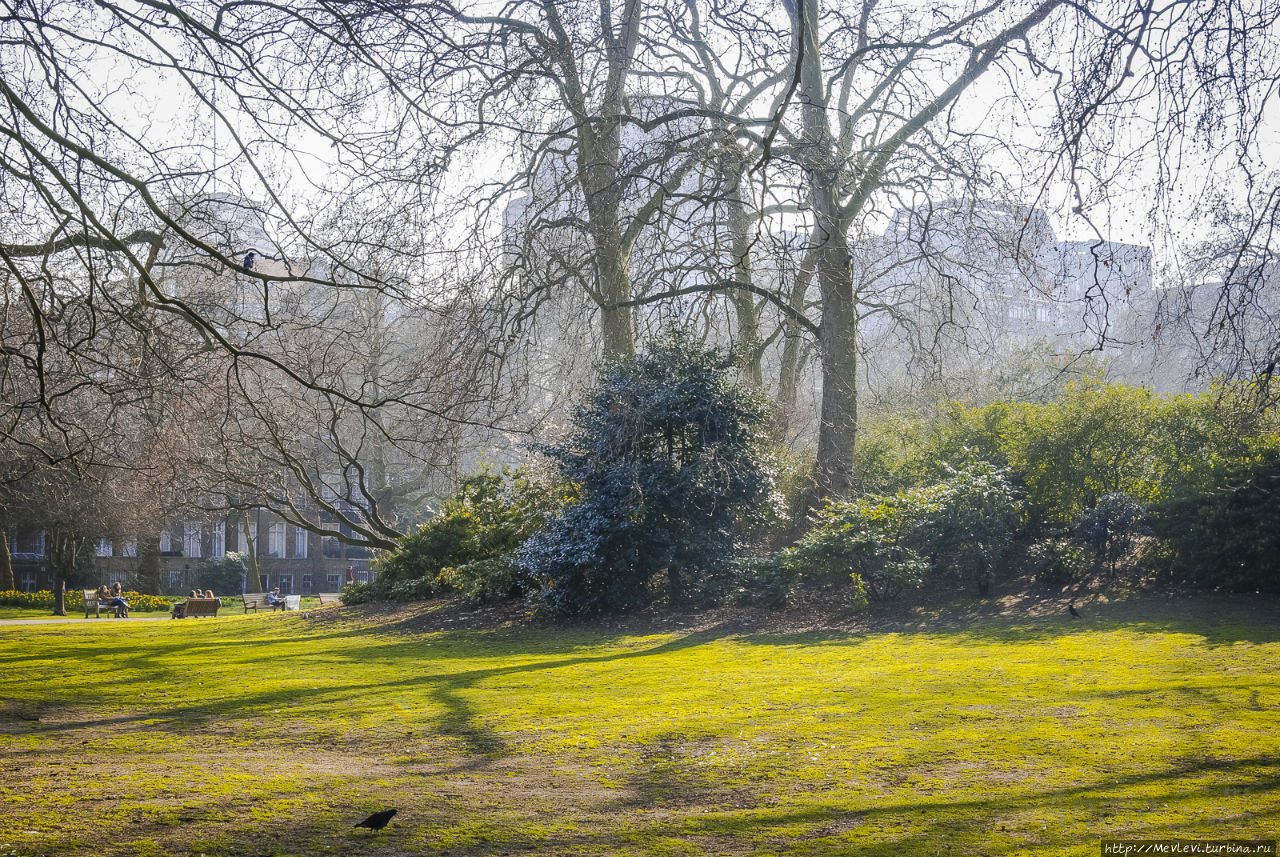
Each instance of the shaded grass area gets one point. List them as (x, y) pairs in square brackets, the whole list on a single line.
[(231, 605), (272, 735), (77, 613)]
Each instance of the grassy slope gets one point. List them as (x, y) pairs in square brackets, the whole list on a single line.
[(273, 734)]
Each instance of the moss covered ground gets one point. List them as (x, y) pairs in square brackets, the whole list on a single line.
[(727, 733)]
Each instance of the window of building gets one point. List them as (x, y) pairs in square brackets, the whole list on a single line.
[(191, 533), (28, 582), (331, 580), (104, 547), (362, 577), (129, 548), (330, 546), (218, 539), (175, 579), (275, 540), (300, 542), (242, 538), (286, 584), (166, 544), (306, 583), (28, 544)]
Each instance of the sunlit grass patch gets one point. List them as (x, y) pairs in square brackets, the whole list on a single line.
[(994, 736)]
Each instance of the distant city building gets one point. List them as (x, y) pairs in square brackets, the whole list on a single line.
[(996, 275)]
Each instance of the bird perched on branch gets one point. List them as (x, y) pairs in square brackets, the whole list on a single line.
[(378, 820), (1071, 608), (248, 260)]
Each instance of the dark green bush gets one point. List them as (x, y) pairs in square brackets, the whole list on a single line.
[(357, 593), (761, 582), (1110, 528), (486, 579), (872, 541), (1056, 560), (1228, 536), (959, 528), (670, 457), (976, 512), (223, 574), (488, 517)]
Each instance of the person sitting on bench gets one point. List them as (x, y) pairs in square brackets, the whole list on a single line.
[(117, 600), (275, 599)]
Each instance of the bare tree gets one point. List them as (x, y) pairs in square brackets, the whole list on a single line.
[(178, 229)]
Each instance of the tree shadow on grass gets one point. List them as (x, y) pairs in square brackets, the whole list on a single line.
[(995, 822), (494, 819), (458, 718)]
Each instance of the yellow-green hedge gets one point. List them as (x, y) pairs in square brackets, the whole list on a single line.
[(44, 600)]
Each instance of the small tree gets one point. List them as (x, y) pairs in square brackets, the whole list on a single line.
[(668, 454)]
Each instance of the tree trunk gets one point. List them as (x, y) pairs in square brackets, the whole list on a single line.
[(6, 562), (149, 565), (615, 285), (251, 543), (612, 278), (792, 362), (675, 585), (837, 331), (62, 556), (838, 337), (744, 303)]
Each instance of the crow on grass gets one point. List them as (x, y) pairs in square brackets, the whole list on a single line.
[(1071, 608), (378, 820)]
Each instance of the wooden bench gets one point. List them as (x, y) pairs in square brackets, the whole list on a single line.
[(329, 598), (254, 600), (200, 607), (91, 602)]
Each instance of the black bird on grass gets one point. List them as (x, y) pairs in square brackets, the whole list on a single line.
[(1071, 608), (378, 820)]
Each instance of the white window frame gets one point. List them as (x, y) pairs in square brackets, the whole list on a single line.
[(166, 541), (129, 548), (300, 542), (275, 540), (192, 533), (218, 539), (104, 547)]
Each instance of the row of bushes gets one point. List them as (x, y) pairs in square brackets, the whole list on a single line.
[(1106, 463), (634, 511), (46, 600)]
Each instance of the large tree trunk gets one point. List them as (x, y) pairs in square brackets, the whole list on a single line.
[(601, 183), (615, 287), (837, 332), (838, 337)]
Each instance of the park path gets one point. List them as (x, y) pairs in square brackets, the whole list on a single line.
[(59, 620)]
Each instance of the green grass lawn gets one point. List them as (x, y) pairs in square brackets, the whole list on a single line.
[(273, 735)]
